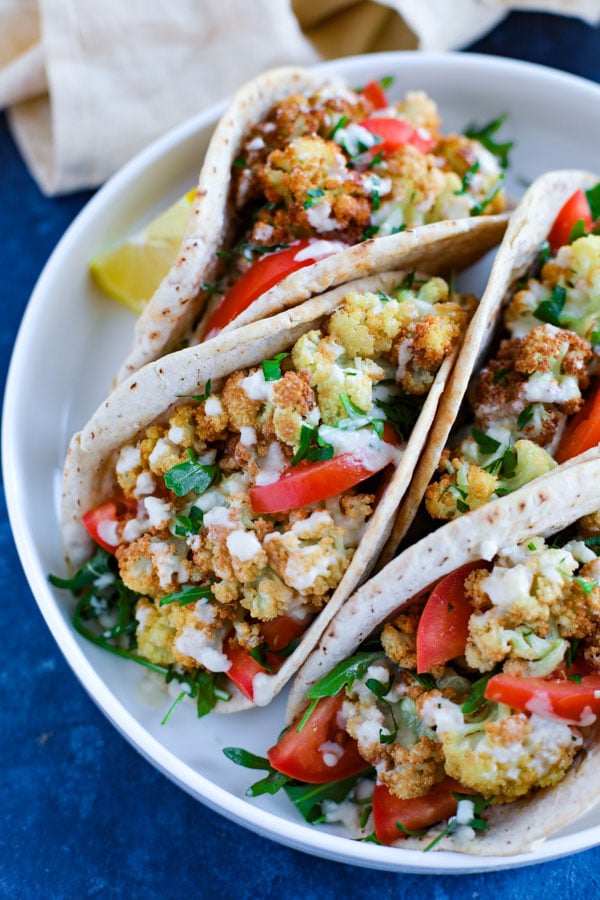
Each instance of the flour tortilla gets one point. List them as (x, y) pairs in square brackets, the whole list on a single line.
[(169, 318), (149, 396), (544, 507), (528, 228)]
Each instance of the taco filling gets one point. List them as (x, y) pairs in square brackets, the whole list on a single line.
[(479, 693), (535, 404), (328, 170), (234, 520)]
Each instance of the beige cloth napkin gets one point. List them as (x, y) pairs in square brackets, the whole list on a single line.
[(90, 83)]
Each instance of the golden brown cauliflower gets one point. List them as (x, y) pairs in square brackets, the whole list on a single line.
[(154, 633)]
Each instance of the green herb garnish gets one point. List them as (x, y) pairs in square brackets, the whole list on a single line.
[(477, 823), (486, 444), (314, 195), (480, 207), (341, 123), (200, 398), (525, 416), (342, 676), (191, 476), (193, 523), (467, 179), (189, 593), (485, 135), (312, 447), (272, 367), (550, 310)]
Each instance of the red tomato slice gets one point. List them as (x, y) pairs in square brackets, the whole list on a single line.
[(583, 431), (376, 95), (414, 814), (566, 700), (302, 754), (268, 271), (100, 522), (576, 208), (395, 133), (309, 482), (277, 634), (444, 624)]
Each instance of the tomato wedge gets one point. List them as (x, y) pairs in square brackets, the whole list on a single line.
[(102, 522), (276, 634), (395, 133), (583, 431), (573, 702), (309, 482), (376, 95), (414, 814), (268, 271), (444, 624), (575, 209), (306, 755)]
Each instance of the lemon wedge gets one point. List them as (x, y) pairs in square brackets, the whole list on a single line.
[(132, 271)]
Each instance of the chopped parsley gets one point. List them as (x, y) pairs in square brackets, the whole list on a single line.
[(341, 123), (525, 416), (313, 196), (193, 523), (272, 367), (550, 310), (312, 447), (356, 418), (200, 398), (486, 444), (191, 476)]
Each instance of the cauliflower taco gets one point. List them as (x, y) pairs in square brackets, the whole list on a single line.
[(226, 499), (467, 717), (308, 183), (533, 402)]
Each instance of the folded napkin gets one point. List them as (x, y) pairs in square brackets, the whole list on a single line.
[(88, 84)]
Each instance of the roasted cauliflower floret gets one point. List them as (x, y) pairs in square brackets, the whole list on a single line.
[(294, 400), (241, 410), (332, 374), (556, 363), (467, 487), (504, 756), (420, 110), (268, 597), (310, 557), (318, 191), (154, 633), (413, 761), (155, 567), (399, 638), (589, 526), (366, 324)]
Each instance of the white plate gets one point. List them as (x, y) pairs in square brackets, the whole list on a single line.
[(71, 342)]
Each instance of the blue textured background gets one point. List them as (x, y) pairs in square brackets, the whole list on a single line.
[(81, 813)]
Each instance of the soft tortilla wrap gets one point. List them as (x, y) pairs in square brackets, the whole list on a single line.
[(149, 395), (171, 315), (528, 228), (543, 507)]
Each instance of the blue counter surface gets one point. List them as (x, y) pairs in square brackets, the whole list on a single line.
[(82, 814)]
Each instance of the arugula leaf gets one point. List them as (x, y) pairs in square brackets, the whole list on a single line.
[(476, 698), (572, 650), (190, 524), (550, 310), (314, 195), (525, 416), (593, 198), (272, 367), (191, 476), (369, 232), (270, 785), (479, 804), (467, 179), (239, 163), (485, 135), (96, 567), (381, 691), (312, 447), (189, 593), (341, 676), (259, 655), (386, 82), (308, 798), (486, 444), (480, 207)]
